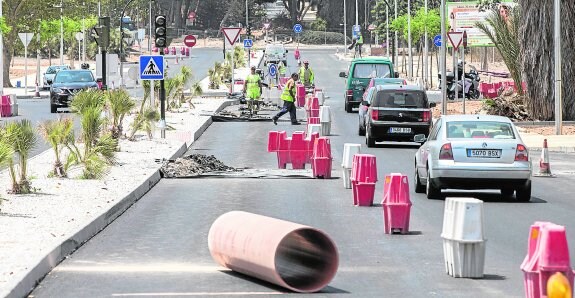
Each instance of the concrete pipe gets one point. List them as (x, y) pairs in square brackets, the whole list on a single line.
[(293, 256)]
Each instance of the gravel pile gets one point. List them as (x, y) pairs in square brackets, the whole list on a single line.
[(193, 165)]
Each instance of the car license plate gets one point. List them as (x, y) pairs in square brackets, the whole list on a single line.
[(400, 129), (484, 153)]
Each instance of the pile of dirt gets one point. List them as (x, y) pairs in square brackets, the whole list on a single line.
[(508, 104), (193, 165)]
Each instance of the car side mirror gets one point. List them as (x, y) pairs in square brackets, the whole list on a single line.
[(287, 51), (419, 138), (432, 105), (342, 74), (264, 51), (49, 81), (365, 103), (396, 74)]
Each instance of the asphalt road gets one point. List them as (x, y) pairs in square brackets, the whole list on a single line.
[(38, 110), (159, 246)]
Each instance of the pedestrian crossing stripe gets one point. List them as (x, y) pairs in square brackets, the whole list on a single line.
[(151, 67)]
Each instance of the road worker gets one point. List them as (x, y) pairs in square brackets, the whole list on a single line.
[(288, 96)]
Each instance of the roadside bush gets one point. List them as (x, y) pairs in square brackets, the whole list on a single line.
[(58, 133), (321, 37), (21, 136)]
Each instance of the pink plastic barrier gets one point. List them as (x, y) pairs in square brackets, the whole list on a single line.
[(310, 141), (296, 150), (312, 106), (363, 179), (313, 120), (396, 204), (321, 160), (187, 52), (547, 253), (5, 107), (300, 95), (283, 80)]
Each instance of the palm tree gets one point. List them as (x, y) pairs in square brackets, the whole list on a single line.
[(7, 156), (58, 133), (504, 33), (120, 104), (145, 121), (22, 137)]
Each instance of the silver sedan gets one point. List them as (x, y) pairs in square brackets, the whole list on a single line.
[(473, 152)]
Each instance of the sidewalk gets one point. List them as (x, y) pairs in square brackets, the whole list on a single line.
[(555, 143)]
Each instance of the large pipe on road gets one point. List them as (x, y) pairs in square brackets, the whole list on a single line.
[(297, 257)]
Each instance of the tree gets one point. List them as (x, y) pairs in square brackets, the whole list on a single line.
[(537, 58), (504, 34)]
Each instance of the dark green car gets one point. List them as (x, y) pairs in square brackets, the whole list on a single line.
[(361, 71)]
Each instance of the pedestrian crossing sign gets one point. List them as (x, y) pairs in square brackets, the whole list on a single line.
[(151, 67)]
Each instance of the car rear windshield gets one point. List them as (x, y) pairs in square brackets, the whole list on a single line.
[(74, 77), (371, 70), (400, 99), (55, 69), (480, 129), (275, 50)]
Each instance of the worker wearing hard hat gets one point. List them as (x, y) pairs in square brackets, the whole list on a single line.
[(306, 75), (288, 96), (253, 86)]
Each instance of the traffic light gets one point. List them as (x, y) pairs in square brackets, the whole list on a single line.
[(161, 31), (101, 33), (249, 31)]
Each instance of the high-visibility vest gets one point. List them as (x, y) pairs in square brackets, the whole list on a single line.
[(252, 82), (360, 40), (306, 72), (286, 96)]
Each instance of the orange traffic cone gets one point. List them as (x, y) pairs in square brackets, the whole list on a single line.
[(544, 167), (37, 93)]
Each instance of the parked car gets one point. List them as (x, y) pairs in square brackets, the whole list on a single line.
[(359, 75), (394, 113), (384, 81), (68, 83), (51, 73), (473, 152)]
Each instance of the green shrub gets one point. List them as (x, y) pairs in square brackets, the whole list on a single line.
[(321, 37)]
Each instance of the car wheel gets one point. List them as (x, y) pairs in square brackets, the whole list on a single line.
[(53, 108), (369, 141), (507, 192), (523, 194), (419, 188), (348, 107), (433, 192), (361, 130)]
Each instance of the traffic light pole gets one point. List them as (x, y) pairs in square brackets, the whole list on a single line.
[(162, 103), (104, 72)]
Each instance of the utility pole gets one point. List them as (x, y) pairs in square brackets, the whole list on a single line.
[(387, 28), (443, 57), (356, 13), (1, 57), (425, 51), (410, 56), (61, 32), (558, 75), (152, 89), (83, 36), (345, 27), (396, 43), (248, 35)]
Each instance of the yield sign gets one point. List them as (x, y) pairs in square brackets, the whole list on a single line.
[(455, 38), (231, 35)]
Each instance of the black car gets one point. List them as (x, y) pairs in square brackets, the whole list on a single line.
[(394, 113), (68, 83)]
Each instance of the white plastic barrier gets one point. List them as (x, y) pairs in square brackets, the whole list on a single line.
[(320, 96), (349, 150), (14, 105), (463, 238), (311, 128), (325, 120)]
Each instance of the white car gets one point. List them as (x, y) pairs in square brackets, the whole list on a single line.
[(473, 152)]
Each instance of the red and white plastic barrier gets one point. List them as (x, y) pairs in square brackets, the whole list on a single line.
[(363, 179), (396, 204)]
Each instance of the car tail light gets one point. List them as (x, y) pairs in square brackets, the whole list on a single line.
[(374, 114), (521, 154), (426, 116), (445, 153), (404, 82), (349, 93)]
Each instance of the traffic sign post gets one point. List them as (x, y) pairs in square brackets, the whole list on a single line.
[(26, 38), (464, 41), (190, 41), (248, 43), (272, 70), (297, 29), (231, 35), (437, 40), (151, 67), (455, 38)]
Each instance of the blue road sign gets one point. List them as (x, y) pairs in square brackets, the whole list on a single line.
[(273, 70), (248, 43), (152, 67), (297, 28), (437, 40)]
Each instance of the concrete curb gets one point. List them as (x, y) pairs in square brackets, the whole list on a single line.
[(50, 261)]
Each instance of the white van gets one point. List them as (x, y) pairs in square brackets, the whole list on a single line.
[(275, 53)]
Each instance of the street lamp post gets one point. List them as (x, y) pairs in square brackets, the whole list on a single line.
[(443, 57), (61, 7), (558, 95), (1, 57), (410, 56), (247, 25), (122, 44), (345, 27)]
